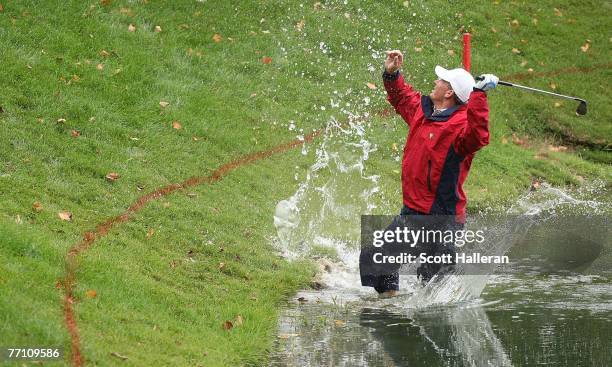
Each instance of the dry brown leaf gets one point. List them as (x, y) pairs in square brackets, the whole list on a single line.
[(61, 120), (339, 322), (238, 320), (586, 46), (75, 133), (131, 28), (558, 12), (227, 325), (195, 138), (176, 125), (553, 85), (221, 266), (557, 104), (317, 6), (559, 148), (535, 185), (515, 23), (504, 140), (451, 52), (112, 176), (217, 38), (115, 354), (516, 140), (1, 8), (157, 29), (300, 25), (371, 85), (516, 51), (530, 70), (67, 216), (105, 2), (150, 233), (493, 30), (37, 207), (164, 104), (524, 63), (266, 60), (91, 293), (126, 11), (104, 53), (394, 147), (18, 219), (418, 49), (100, 67)]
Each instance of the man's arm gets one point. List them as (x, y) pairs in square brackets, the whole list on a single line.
[(476, 133), (402, 97)]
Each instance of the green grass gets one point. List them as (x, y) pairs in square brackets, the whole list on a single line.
[(223, 94)]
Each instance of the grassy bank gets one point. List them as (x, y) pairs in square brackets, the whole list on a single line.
[(80, 97)]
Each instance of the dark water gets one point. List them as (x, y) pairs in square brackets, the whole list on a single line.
[(548, 320)]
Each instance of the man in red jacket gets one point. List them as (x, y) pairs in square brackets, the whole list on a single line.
[(447, 127)]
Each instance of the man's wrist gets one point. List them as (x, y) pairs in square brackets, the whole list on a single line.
[(391, 75)]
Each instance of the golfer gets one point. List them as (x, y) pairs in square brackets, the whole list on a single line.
[(446, 129)]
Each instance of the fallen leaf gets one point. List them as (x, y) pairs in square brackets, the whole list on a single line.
[(1, 8), (115, 354), (266, 60), (173, 264), (516, 140), (557, 104), (112, 176), (105, 2), (58, 284), (406, 4), (131, 28), (67, 216), (238, 320), (176, 125), (553, 85), (166, 204), (535, 184), (217, 38), (61, 120), (104, 53), (530, 70), (394, 147), (126, 11), (221, 266), (195, 138), (515, 23), (418, 49), (558, 12), (524, 63), (493, 30), (150, 233), (586, 46), (18, 219), (157, 29), (164, 104), (371, 85), (317, 6), (451, 52), (300, 25), (91, 293), (516, 51), (75, 133), (504, 140), (37, 207), (339, 322), (227, 325), (559, 148), (100, 67)]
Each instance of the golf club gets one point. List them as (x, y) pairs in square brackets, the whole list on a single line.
[(582, 107)]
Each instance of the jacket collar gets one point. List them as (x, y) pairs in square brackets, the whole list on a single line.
[(427, 107)]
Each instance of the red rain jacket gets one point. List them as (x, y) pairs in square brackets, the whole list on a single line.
[(439, 149)]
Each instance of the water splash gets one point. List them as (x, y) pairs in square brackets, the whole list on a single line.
[(322, 220)]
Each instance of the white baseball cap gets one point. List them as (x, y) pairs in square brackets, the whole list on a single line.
[(460, 80)]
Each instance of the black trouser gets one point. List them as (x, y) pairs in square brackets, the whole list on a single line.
[(384, 277)]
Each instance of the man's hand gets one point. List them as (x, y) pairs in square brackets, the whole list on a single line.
[(394, 61), (486, 82)]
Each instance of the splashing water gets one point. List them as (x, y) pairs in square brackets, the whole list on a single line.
[(322, 220)]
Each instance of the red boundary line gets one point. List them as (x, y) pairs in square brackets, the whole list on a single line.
[(102, 229)]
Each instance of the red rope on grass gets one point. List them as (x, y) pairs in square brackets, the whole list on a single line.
[(102, 229)]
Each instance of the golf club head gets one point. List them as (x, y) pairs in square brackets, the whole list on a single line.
[(582, 109)]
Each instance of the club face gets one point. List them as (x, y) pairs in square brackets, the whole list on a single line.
[(582, 108)]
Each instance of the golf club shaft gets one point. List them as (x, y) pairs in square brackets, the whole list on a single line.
[(501, 82)]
